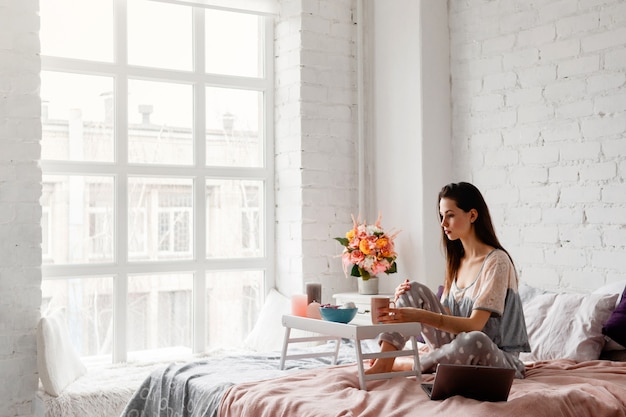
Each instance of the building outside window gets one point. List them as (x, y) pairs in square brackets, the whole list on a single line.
[(158, 177)]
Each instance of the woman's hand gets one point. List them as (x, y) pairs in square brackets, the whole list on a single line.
[(402, 288), (399, 315), (452, 324)]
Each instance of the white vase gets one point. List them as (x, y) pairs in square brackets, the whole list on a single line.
[(368, 287)]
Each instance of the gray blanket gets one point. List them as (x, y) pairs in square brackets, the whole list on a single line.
[(195, 389)]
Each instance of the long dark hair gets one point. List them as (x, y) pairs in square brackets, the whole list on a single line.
[(467, 197)]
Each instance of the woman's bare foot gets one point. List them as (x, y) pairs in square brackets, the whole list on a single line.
[(385, 365), (380, 366)]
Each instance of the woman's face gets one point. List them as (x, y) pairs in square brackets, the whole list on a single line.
[(455, 222)]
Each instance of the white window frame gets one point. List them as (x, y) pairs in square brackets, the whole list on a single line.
[(121, 171), (97, 212), (46, 235)]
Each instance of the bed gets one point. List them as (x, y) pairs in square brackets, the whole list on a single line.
[(568, 374)]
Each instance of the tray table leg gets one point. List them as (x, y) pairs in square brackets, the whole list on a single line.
[(416, 360), (359, 362), (337, 346), (283, 354)]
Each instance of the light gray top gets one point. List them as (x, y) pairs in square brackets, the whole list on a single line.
[(494, 290)]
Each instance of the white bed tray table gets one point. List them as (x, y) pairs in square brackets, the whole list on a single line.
[(329, 330)]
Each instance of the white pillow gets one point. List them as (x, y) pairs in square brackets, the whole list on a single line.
[(527, 293), (566, 326), (268, 332), (612, 288), (58, 362)]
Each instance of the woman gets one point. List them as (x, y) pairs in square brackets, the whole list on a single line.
[(479, 320)]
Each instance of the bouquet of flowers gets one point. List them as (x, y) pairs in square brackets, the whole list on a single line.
[(368, 250)]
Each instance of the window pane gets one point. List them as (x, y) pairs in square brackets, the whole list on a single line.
[(159, 35), (77, 117), (153, 163), (159, 314), (80, 221), (232, 44), (160, 219), (234, 136), (230, 318), (88, 307), (160, 120), (77, 29), (234, 218)]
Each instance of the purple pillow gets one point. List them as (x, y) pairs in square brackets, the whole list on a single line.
[(615, 326)]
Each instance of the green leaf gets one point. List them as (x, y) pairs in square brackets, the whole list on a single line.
[(355, 272), (393, 269), (344, 241)]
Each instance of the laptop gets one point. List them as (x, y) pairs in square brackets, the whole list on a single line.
[(484, 383)]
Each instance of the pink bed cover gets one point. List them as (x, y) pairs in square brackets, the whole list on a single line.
[(551, 388)]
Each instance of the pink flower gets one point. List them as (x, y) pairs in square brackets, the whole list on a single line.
[(368, 250), (356, 256)]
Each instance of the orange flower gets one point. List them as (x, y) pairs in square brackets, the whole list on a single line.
[(364, 246), (382, 242), (368, 250)]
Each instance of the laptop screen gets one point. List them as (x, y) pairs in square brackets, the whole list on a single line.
[(484, 383)]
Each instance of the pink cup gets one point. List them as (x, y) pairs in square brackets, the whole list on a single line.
[(377, 303)]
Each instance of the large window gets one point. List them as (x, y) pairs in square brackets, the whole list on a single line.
[(158, 174)]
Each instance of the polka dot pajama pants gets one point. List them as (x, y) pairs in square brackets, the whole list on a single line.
[(471, 348)]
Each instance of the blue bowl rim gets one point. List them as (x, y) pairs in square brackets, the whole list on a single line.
[(352, 311)]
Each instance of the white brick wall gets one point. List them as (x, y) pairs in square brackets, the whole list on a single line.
[(316, 168), (557, 140), (20, 188)]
